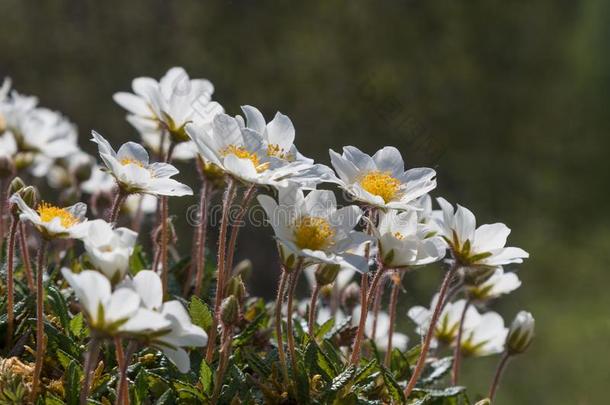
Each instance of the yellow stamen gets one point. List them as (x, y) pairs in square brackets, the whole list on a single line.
[(313, 233), (399, 235), (276, 151), (49, 212), (243, 153), (130, 161), (381, 184)]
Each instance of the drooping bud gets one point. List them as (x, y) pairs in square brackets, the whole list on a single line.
[(29, 194), (23, 160), (521, 333), (237, 288), (16, 185), (351, 297), (326, 274), (475, 275), (229, 311), (243, 268), (82, 170)]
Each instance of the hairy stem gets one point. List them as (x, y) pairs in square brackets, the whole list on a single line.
[(292, 284), (125, 357), (426, 344), (119, 198), (396, 282), (201, 236), (243, 208), (25, 255), (164, 241), (227, 339), (229, 194), (40, 343), (90, 361), (498, 375), (377, 307), (278, 324), (312, 311), (457, 352), (10, 282)]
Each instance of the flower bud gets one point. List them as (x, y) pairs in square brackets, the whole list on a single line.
[(29, 194), (521, 333), (229, 311), (243, 268), (6, 167), (82, 171), (23, 160), (351, 297), (326, 274), (16, 185), (475, 275), (237, 288)]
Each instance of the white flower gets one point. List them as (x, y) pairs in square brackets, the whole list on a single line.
[(446, 329), (181, 333), (99, 182), (15, 109), (112, 313), (52, 221), (499, 283), (472, 246), (8, 146), (399, 340), (312, 228), (140, 204), (134, 174), (403, 241), (381, 180), (244, 154), (5, 88), (109, 249), (169, 104), (486, 337)]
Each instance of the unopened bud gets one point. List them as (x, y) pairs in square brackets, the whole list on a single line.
[(521, 333), (82, 170), (16, 185), (475, 275), (351, 297), (243, 268), (29, 194), (237, 288), (23, 160), (326, 274), (229, 311), (6, 166)]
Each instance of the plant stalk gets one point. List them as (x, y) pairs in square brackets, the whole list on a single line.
[(457, 352), (40, 337), (90, 361), (312, 311), (201, 236), (292, 284), (396, 283), (236, 226), (278, 324), (498, 375), (10, 282), (25, 255)]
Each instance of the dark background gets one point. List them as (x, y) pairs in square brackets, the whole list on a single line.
[(508, 102)]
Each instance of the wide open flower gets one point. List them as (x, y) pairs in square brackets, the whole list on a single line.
[(111, 313), (134, 174), (446, 329), (244, 154), (109, 249), (381, 180), (181, 332), (313, 229), (499, 283), (52, 221), (472, 246), (404, 242), (169, 104), (485, 337)]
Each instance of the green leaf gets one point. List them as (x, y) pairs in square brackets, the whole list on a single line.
[(440, 368), (364, 372), (394, 389), (137, 261), (250, 330), (140, 388), (168, 398), (200, 314), (72, 383), (341, 381), (59, 307), (325, 328), (77, 325), (205, 377)]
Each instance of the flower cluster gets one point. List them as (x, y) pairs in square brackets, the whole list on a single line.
[(131, 301)]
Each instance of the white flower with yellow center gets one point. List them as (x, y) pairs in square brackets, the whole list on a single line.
[(484, 338), (446, 329), (472, 246), (134, 174), (381, 180), (404, 242), (168, 104), (181, 332), (113, 313), (313, 229), (109, 249), (52, 221)]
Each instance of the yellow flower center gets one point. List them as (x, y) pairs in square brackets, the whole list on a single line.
[(130, 161), (49, 212), (243, 153), (399, 235), (276, 151), (381, 184), (313, 233)]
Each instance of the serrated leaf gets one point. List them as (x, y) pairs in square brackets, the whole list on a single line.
[(168, 398), (439, 369), (59, 307), (205, 377), (245, 336), (340, 381), (200, 314), (77, 325), (392, 386), (364, 372), (140, 388), (72, 383), (325, 328)]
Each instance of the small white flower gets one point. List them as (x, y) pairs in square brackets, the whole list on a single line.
[(140, 204), (54, 222), (312, 228), (399, 340), (8, 146), (169, 104), (134, 174), (484, 338), (499, 283), (472, 246), (446, 329), (99, 182), (181, 332), (109, 249), (112, 313), (381, 180), (404, 242)]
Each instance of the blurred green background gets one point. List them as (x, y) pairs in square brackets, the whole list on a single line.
[(508, 102)]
